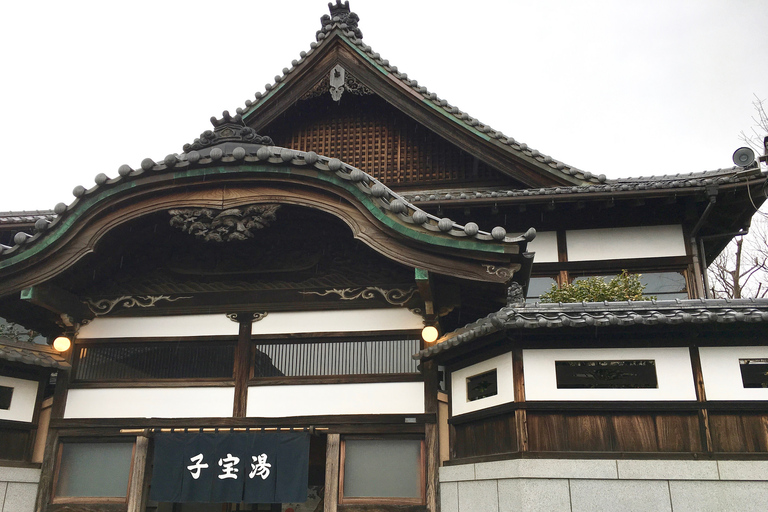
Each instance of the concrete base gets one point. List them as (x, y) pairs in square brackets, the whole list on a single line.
[(567, 485), (18, 489)]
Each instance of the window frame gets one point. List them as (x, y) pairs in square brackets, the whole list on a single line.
[(122, 500), (378, 500)]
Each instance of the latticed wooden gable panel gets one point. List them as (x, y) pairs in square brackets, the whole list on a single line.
[(366, 132)]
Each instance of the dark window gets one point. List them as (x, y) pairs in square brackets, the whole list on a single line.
[(662, 285), (382, 469), (606, 374), (93, 470), (754, 373), (166, 360), (482, 386), (6, 393), (14, 443), (539, 285), (321, 358)]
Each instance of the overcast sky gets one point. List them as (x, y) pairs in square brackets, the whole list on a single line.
[(622, 88)]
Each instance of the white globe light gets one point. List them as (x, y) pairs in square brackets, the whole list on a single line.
[(429, 333), (62, 343)]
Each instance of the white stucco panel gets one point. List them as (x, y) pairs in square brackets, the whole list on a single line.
[(545, 247), (673, 373), (22, 400), (722, 373), (357, 320), (504, 382), (621, 243), (200, 402), (160, 327), (351, 320), (325, 399)]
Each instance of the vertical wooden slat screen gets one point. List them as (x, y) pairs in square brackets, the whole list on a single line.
[(366, 132)]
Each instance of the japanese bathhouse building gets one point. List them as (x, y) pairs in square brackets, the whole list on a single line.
[(246, 317)]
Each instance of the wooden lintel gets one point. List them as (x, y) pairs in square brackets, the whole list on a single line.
[(424, 283), (57, 300)]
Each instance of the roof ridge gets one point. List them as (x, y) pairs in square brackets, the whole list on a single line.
[(352, 34)]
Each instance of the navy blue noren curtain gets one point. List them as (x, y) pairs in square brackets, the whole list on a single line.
[(250, 467)]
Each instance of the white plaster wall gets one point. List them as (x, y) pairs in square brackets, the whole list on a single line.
[(722, 374), (545, 247), (362, 320), (22, 401), (201, 402), (673, 373), (620, 243), (325, 399), (506, 391), (159, 326), (356, 320)]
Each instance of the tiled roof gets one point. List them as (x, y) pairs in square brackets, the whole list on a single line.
[(32, 354), (340, 22), (676, 181), (601, 314), (26, 217), (246, 152)]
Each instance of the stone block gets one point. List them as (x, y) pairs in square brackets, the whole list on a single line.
[(449, 497), (668, 469), (3, 489), (20, 497), (27, 475), (732, 496), (457, 473), (743, 470), (568, 468), (479, 496), (623, 495), (534, 495)]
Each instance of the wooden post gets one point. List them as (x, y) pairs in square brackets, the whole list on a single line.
[(701, 396), (332, 456), (432, 445), (45, 488), (137, 492), (242, 365), (521, 418)]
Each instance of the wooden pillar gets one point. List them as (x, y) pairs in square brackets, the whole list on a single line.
[(139, 487), (45, 488), (701, 396), (431, 442), (521, 417), (242, 371), (332, 461)]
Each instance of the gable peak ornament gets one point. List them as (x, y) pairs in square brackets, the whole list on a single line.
[(341, 14), (227, 130)]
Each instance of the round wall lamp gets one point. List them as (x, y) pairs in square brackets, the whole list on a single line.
[(62, 343), (429, 333)]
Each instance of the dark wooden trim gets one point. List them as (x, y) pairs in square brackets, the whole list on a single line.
[(60, 395), (337, 336), (562, 246), (253, 422), (242, 370), (86, 507), (155, 383), (153, 339), (332, 460), (18, 425), (336, 379), (603, 266)]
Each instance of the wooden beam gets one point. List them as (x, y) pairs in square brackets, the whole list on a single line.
[(332, 461), (242, 371), (431, 442), (57, 300), (424, 283)]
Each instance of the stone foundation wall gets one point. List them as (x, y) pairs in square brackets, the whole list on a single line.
[(555, 485), (18, 489)]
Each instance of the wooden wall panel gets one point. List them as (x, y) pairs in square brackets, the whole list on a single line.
[(739, 432), (609, 432), (487, 436), (368, 133)]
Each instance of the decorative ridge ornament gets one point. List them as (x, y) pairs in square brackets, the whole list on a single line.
[(227, 129), (224, 226), (341, 14)]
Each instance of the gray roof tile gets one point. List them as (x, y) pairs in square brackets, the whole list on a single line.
[(600, 314), (32, 354)]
